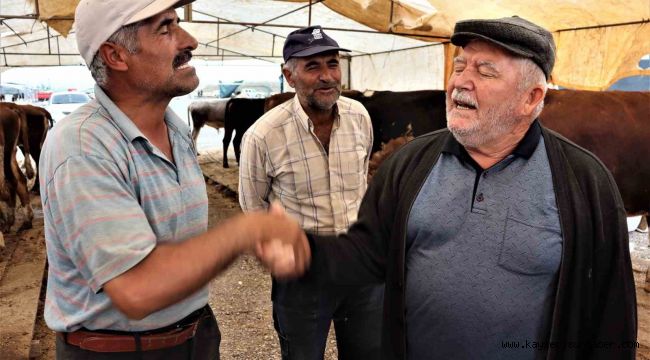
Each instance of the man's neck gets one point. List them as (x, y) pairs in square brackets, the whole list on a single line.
[(318, 117), (147, 113), (489, 154)]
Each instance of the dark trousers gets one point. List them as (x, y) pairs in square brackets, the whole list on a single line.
[(204, 345), (303, 311)]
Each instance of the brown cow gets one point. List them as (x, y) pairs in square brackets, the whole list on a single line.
[(12, 180), (614, 125), (212, 113), (39, 121), (23, 136)]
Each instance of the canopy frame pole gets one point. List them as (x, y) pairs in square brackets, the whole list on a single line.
[(58, 50), (605, 25), (253, 25), (4, 22), (49, 36), (309, 19)]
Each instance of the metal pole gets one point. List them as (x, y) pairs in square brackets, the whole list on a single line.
[(309, 21), (324, 28), (49, 44), (605, 25), (265, 22), (58, 49), (188, 12)]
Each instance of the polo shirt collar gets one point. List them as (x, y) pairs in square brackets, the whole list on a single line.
[(125, 125), (524, 149), (303, 118)]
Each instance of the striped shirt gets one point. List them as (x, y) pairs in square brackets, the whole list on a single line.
[(282, 159), (109, 196)]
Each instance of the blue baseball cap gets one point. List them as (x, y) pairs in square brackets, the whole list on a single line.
[(307, 42)]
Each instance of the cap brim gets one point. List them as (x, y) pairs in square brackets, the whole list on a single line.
[(156, 7), (462, 38), (317, 50)]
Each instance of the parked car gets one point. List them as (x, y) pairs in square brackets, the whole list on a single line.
[(63, 103), (43, 95)]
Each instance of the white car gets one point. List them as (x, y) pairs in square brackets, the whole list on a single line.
[(63, 103)]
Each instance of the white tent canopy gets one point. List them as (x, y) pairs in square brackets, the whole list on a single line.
[(598, 41)]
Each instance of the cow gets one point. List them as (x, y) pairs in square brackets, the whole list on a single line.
[(39, 121), (212, 113), (12, 181), (23, 136), (614, 126), (241, 113)]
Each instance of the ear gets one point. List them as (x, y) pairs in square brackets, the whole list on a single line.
[(287, 75), (114, 56), (534, 96)]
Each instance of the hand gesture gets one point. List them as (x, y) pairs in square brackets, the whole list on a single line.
[(284, 249)]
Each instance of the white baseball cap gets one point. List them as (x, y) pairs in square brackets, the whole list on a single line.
[(96, 20)]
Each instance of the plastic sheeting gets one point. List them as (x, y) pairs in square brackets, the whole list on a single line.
[(416, 69)]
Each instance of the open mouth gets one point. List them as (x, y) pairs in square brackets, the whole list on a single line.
[(464, 102), (181, 61)]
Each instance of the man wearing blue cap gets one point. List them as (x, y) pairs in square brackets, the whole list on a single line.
[(311, 154), (497, 238)]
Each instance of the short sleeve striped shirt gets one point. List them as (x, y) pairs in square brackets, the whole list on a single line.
[(282, 159), (109, 196)]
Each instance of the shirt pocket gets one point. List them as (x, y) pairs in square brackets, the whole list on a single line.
[(353, 168), (530, 249)]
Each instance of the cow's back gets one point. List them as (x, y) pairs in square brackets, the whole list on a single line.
[(241, 113), (614, 125), (396, 114)]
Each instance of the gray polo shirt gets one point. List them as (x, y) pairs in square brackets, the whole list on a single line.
[(483, 251)]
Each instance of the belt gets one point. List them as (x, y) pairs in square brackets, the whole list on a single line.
[(98, 341)]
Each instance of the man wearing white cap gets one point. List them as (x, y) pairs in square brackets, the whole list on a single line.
[(125, 205)]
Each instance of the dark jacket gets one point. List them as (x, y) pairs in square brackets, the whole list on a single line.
[(594, 315)]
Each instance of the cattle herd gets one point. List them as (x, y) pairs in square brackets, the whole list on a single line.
[(23, 126), (611, 124)]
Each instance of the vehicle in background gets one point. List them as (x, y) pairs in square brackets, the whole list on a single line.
[(63, 103), (43, 95), (249, 93)]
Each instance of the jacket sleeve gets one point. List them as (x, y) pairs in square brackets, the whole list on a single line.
[(359, 256)]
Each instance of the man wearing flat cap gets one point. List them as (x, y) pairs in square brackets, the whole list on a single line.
[(125, 205), (496, 237), (311, 154)]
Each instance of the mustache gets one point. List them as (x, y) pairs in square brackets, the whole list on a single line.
[(328, 85), (464, 97), (182, 58)]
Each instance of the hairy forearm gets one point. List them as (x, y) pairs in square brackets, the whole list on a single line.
[(172, 272)]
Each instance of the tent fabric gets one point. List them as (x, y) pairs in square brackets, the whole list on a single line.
[(597, 52), (591, 58), (417, 69)]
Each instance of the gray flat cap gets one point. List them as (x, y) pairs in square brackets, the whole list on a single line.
[(515, 34)]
